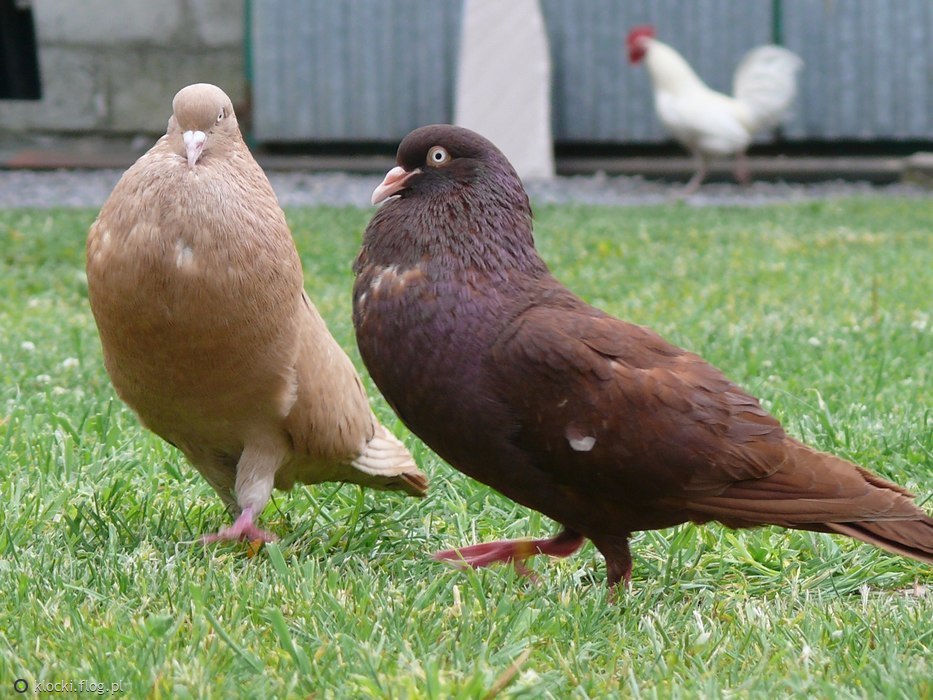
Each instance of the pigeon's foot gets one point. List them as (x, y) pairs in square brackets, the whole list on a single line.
[(243, 529), (563, 544)]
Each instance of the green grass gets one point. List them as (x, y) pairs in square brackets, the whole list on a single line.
[(822, 309)]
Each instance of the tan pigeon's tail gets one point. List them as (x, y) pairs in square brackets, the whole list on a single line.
[(387, 464)]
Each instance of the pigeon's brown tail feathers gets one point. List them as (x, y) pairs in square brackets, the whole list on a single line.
[(910, 538), (818, 491)]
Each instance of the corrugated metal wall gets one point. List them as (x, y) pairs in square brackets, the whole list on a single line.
[(869, 68), (372, 70), (357, 70), (598, 96)]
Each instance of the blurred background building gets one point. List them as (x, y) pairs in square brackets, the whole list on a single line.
[(354, 76)]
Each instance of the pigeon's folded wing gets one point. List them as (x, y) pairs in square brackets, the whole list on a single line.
[(639, 415)]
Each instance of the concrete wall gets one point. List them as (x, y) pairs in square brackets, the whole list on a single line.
[(111, 69)]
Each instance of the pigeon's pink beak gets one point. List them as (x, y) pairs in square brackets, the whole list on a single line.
[(194, 145), (393, 183)]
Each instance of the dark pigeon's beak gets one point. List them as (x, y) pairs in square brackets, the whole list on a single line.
[(393, 183)]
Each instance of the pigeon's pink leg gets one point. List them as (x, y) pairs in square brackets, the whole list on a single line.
[(563, 544), (242, 529)]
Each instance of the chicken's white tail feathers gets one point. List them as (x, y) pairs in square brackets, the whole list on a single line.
[(766, 83), (386, 463)]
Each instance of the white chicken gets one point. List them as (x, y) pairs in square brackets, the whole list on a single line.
[(709, 123)]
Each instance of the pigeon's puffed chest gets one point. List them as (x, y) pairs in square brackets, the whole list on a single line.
[(188, 242), (191, 278), (441, 320), (422, 334)]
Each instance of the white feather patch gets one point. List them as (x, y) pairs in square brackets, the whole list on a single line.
[(583, 444), (183, 254)]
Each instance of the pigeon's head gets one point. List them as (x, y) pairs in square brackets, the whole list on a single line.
[(637, 42), (202, 117), (441, 160), (453, 198)]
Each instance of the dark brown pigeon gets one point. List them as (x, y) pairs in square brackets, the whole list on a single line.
[(600, 424)]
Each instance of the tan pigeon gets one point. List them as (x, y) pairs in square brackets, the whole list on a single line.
[(207, 332)]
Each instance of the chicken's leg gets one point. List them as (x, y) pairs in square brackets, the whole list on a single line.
[(742, 173), (698, 177)]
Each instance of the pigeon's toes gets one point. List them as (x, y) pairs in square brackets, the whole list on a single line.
[(243, 529)]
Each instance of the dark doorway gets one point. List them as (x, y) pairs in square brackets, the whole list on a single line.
[(19, 57)]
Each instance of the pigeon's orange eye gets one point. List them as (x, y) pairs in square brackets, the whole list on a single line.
[(438, 155)]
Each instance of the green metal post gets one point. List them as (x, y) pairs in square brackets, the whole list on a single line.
[(777, 23), (248, 64)]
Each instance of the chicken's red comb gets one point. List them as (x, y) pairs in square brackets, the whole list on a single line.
[(637, 32)]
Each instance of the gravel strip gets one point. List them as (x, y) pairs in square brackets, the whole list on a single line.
[(89, 188)]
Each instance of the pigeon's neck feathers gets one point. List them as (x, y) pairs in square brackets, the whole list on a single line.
[(483, 226)]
